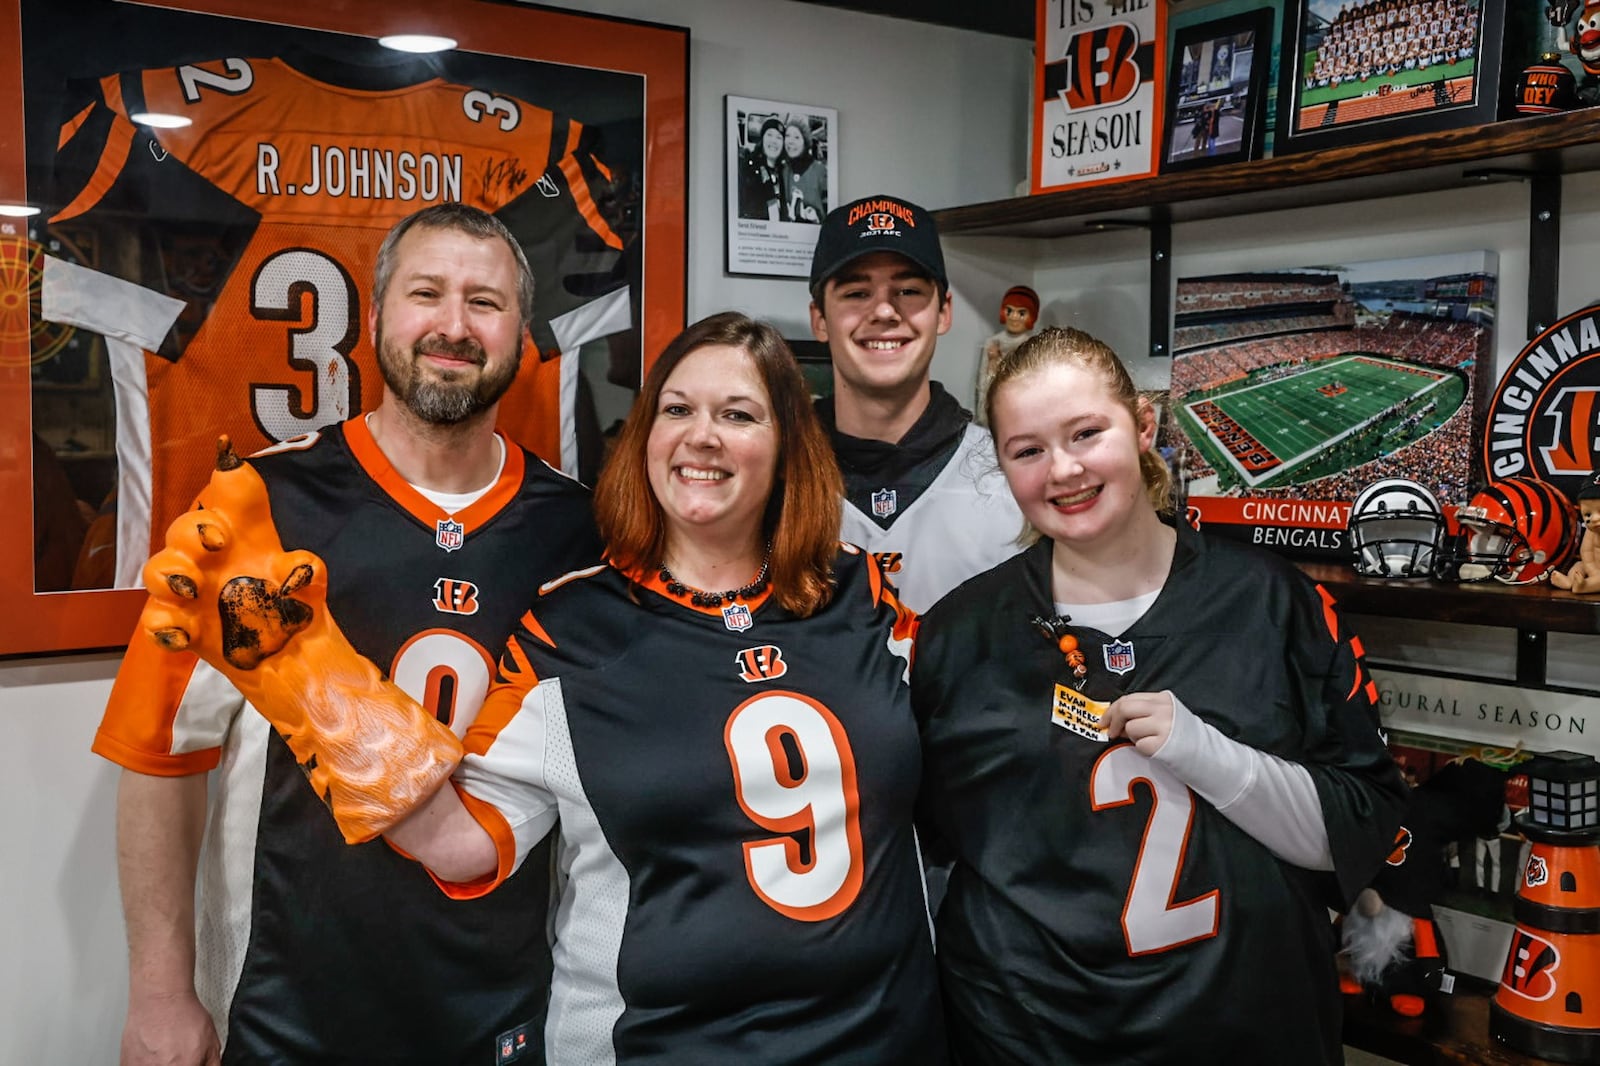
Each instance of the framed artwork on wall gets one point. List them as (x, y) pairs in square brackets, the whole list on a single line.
[(211, 180), (782, 160), (1295, 389), (1358, 72), (1216, 91), (1097, 89)]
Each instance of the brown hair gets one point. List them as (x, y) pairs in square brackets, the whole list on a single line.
[(801, 522), (1060, 346)]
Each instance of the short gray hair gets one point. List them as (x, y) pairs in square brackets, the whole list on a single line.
[(464, 218)]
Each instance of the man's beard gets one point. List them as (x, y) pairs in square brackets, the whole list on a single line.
[(444, 398)]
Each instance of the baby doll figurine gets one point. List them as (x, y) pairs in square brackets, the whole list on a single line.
[(1584, 577), (1019, 314)]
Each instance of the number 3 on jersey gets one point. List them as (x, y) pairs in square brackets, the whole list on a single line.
[(1151, 920), (794, 774)]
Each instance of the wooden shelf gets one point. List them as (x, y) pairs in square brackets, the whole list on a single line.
[(1486, 603), (1425, 162)]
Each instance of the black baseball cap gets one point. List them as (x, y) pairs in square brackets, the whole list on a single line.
[(876, 224)]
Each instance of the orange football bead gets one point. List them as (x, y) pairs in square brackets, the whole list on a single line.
[(1067, 643)]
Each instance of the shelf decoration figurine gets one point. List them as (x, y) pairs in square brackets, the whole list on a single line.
[(1546, 87), (1584, 43), (1584, 577), (1548, 1003), (1019, 320), (1390, 942)]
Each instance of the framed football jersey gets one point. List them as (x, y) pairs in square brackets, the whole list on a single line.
[(199, 189)]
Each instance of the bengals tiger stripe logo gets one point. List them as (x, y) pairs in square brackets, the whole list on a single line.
[(889, 562), (1102, 69), (452, 596), (1402, 844), (764, 663)]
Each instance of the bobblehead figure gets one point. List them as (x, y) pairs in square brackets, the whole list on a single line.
[(1019, 319)]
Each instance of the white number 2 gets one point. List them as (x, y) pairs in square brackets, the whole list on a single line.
[(1151, 920), (794, 773)]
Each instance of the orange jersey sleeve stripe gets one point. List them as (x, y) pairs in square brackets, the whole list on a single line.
[(140, 723), (181, 765), (70, 127), (113, 157), (580, 191), (499, 708)]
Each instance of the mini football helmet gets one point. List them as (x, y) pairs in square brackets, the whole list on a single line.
[(1396, 529), (1515, 530)]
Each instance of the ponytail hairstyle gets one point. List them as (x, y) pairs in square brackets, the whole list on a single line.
[(1061, 346)]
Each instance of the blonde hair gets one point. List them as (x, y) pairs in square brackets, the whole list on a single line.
[(1061, 346)]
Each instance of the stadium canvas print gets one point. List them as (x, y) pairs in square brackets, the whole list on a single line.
[(1293, 390)]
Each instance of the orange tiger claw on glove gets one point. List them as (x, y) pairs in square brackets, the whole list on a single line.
[(224, 588)]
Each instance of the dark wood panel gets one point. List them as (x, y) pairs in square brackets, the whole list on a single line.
[(1487, 603), (1564, 143)]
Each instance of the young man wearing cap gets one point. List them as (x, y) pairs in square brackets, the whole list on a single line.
[(922, 488)]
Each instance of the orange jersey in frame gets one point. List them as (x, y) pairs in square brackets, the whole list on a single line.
[(264, 216)]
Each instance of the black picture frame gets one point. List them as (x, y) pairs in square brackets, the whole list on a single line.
[(1422, 71), (1215, 108)]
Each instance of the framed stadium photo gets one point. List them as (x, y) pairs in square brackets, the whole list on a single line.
[(1216, 91), (1357, 72), (209, 182), (1294, 390)]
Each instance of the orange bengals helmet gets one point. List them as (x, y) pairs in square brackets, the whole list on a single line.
[(1515, 530)]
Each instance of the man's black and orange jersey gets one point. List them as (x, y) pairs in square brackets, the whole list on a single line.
[(311, 950), (735, 798), (1099, 911), (252, 233)]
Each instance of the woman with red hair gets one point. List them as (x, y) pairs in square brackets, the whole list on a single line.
[(719, 718)]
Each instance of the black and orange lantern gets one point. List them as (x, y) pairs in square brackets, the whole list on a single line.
[(1548, 1003)]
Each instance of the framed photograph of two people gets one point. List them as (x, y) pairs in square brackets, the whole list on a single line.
[(782, 162)]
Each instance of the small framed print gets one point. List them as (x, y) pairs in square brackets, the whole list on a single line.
[(1216, 101), (781, 164), (1356, 72)]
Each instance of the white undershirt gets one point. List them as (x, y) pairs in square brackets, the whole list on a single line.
[(1272, 799), (453, 502)]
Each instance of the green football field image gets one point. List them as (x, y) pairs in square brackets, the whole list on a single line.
[(1284, 426)]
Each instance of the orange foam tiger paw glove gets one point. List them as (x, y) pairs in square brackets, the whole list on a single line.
[(224, 588)]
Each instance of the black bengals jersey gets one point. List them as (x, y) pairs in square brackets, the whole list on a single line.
[(735, 792), (311, 950), (1099, 911)]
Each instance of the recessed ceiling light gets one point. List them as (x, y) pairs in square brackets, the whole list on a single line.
[(417, 42), (17, 210), (160, 120)]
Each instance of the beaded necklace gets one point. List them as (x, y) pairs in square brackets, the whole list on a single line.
[(715, 599)]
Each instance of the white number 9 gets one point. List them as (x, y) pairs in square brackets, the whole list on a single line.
[(794, 774)]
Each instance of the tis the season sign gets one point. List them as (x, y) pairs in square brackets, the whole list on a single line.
[(1096, 117)]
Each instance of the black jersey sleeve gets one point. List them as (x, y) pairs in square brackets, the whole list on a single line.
[(1362, 793)]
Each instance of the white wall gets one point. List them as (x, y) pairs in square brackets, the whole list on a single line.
[(931, 114)]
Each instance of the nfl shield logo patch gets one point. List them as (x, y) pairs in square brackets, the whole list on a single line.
[(1119, 656), (449, 534), (884, 503), (736, 616)]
